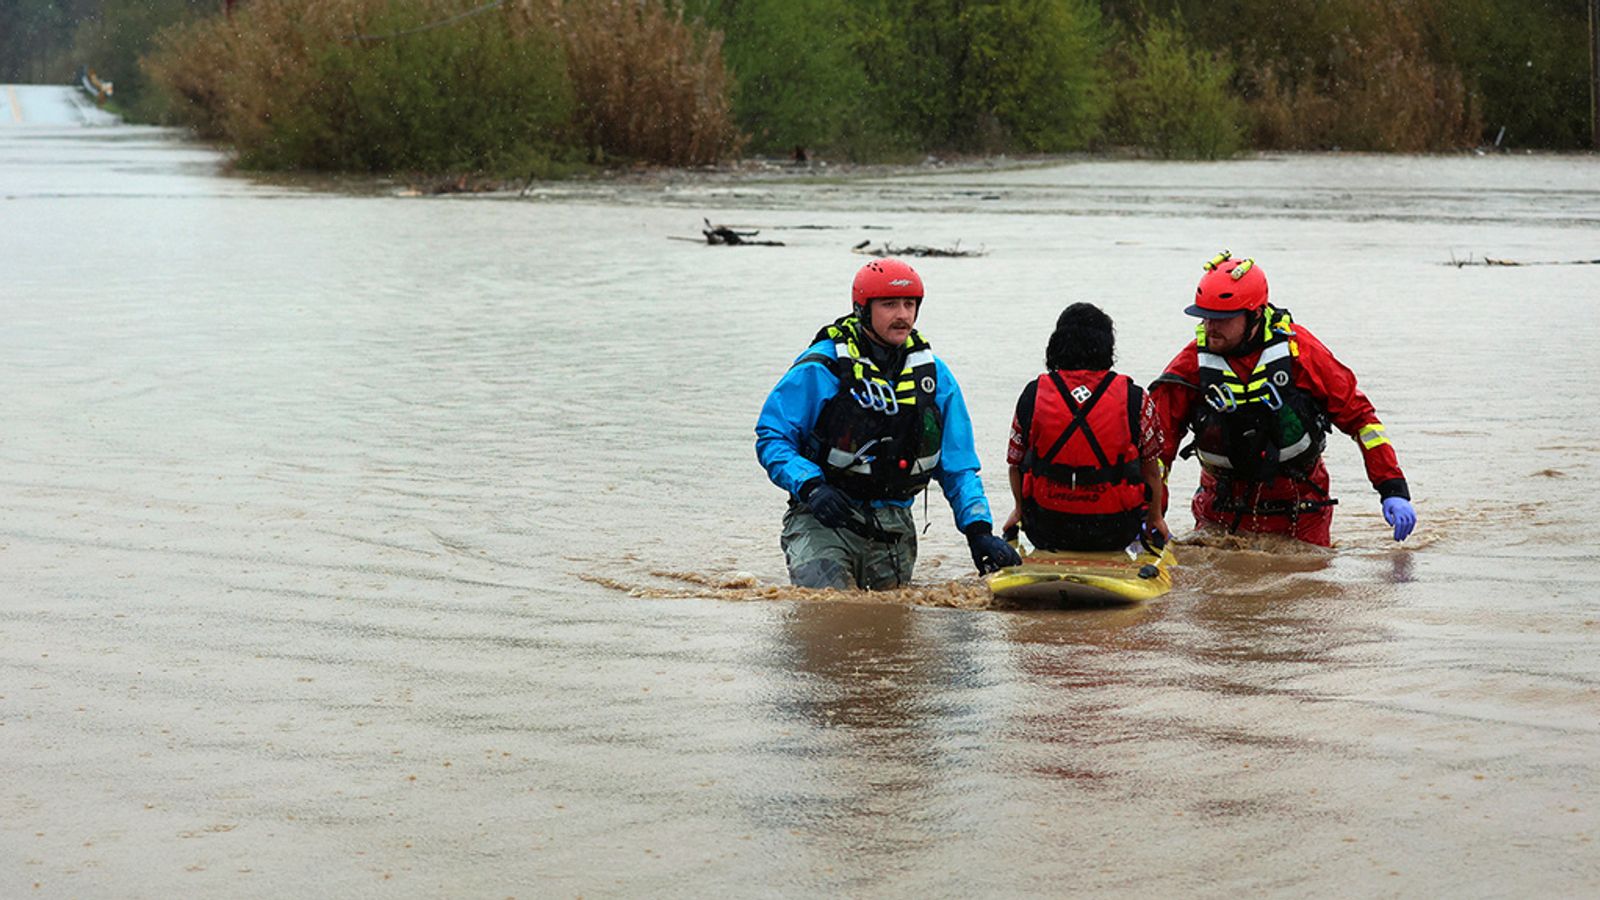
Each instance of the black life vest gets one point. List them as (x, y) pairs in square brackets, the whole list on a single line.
[(1257, 428), (1083, 445), (879, 437)]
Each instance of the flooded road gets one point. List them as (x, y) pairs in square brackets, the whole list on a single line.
[(388, 546), (49, 105)]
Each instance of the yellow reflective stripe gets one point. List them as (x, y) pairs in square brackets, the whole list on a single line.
[(906, 391), (1372, 436)]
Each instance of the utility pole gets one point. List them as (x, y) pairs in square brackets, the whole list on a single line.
[(1594, 73)]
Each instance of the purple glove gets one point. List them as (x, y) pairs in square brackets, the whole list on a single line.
[(1397, 511)]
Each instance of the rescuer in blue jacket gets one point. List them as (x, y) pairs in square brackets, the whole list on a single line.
[(856, 429)]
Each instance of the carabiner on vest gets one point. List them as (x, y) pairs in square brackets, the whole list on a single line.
[(878, 395), (1220, 398), (1273, 400)]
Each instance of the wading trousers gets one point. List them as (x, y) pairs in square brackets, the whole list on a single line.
[(822, 557)]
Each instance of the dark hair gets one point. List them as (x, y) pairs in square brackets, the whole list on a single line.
[(1084, 339)]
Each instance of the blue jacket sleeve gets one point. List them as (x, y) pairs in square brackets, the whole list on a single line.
[(958, 456), (790, 414)]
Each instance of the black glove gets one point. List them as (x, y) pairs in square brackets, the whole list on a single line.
[(989, 553), (829, 504), (1152, 540)]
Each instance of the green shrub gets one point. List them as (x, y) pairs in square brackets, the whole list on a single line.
[(797, 80), (986, 76), (1173, 100), (295, 84), (1038, 71), (1526, 62), (468, 97)]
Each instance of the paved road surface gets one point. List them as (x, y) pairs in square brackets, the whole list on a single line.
[(48, 104)]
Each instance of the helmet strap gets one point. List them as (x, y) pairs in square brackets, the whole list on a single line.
[(1255, 331), (864, 316)]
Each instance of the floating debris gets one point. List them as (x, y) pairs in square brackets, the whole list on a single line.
[(1491, 261), (726, 236), (888, 249), (818, 227)]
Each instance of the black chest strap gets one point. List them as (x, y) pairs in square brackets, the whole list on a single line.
[(1106, 472), (1080, 417)]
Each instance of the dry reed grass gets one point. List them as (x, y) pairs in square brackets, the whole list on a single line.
[(233, 76), (1375, 89), (649, 85)]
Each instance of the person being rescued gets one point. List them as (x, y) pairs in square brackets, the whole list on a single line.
[(1260, 393), (1085, 448)]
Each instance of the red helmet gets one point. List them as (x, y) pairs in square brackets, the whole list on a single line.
[(882, 279), (1229, 287)]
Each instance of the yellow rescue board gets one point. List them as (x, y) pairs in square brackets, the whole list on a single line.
[(1078, 579)]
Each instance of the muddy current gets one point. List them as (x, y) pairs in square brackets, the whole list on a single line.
[(362, 544)]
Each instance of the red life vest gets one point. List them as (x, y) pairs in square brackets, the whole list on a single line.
[(1083, 448)]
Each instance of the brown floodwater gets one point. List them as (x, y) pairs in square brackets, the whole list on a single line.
[(411, 546)]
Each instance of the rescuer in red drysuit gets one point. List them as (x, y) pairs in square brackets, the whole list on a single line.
[(1260, 393)]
